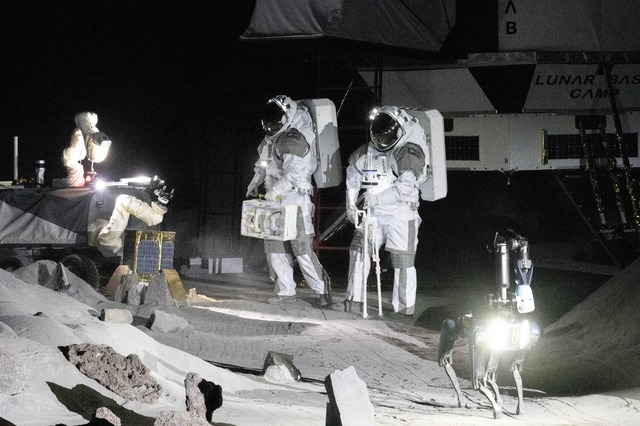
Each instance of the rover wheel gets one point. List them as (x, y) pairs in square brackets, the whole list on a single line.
[(83, 268), (12, 263)]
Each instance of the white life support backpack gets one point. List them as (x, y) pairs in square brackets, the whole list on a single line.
[(328, 173), (435, 185)]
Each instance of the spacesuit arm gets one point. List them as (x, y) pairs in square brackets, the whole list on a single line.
[(293, 170), (292, 148), (410, 159), (353, 180), (403, 190), (259, 170), (76, 151), (258, 177), (353, 183)]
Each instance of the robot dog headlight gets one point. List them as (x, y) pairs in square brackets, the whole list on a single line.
[(502, 335)]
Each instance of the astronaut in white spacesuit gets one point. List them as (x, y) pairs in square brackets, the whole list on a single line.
[(287, 160), (390, 167), (86, 142)]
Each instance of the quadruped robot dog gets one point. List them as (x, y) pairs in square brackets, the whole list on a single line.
[(501, 327)]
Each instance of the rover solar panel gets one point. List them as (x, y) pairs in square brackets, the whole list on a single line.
[(148, 256), (168, 250), (147, 253)]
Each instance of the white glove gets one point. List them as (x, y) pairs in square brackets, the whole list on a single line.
[(252, 190), (385, 197), (352, 213)]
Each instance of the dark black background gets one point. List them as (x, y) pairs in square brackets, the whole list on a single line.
[(162, 76), (171, 81)]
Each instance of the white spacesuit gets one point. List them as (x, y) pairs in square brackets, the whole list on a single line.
[(287, 160), (391, 168), (86, 142)]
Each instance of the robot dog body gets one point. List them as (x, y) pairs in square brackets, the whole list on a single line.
[(500, 327)]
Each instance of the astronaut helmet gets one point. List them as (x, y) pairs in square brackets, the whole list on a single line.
[(278, 113), (386, 127)]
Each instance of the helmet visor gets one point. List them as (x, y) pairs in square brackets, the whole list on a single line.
[(384, 132), (272, 118)]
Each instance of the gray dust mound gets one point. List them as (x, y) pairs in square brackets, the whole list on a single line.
[(593, 347)]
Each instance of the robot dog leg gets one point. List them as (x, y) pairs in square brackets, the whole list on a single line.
[(448, 337)]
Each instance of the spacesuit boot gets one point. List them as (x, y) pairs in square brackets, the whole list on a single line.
[(126, 205), (316, 278)]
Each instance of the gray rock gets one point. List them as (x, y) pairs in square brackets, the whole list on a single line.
[(163, 322), (203, 396), (116, 279), (349, 403), (58, 280), (116, 316), (279, 368), (157, 292), (57, 277), (180, 418), (125, 376), (127, 292), (104, 417)]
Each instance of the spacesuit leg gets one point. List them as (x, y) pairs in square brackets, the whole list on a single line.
[(272, 272), (280, 265), (358, 268), (313, 272), (126, 205), (403, 297)]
